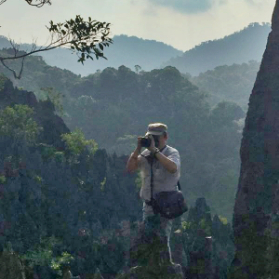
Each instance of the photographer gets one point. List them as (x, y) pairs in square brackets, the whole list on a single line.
[(165, 164)]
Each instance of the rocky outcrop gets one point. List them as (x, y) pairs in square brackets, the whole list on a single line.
[(146, 258), (256, 205), (201, 248), (208, 243)]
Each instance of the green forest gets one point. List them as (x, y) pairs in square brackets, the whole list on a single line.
[(66, 200)]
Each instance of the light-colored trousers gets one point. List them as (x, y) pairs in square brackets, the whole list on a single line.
[(160, 226)]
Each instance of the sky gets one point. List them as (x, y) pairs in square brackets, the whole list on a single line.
[(182, 24)]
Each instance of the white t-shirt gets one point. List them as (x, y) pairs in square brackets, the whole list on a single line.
[(163, 180)]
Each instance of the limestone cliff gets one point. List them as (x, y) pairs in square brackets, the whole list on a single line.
[(256, 206)]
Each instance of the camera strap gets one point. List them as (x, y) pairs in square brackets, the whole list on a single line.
[(151, 180), (178, 184), (150, 160)]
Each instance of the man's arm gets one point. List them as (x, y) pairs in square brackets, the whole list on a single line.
[(169, 164), (133, 160), (166, 162)]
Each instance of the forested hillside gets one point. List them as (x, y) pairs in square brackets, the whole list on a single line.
[(67, 201), (70, 206), (62, 200), (229, 83), (243, 46), (114, 106)]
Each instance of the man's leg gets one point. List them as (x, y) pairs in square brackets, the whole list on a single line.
[(157, 232), (165, 233)]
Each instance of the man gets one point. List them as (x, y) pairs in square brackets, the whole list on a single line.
[(165, 161)]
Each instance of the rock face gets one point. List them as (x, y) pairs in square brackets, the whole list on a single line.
[(201, 248), (147, 261), (256, 209)]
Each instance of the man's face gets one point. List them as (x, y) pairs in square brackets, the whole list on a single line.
[(157, 140), (160, 141)]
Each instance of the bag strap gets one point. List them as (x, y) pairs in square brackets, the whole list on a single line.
[(150, 160), (151, 180)]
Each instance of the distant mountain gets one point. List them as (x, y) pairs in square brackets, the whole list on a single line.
[(125, 50), (240, 47)]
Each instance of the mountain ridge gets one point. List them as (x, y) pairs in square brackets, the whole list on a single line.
[(125, 50), (237, 48), (240, 47)]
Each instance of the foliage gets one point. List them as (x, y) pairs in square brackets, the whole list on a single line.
[(35, 3), (76, 143), (272, 254), (86, 38), (81, 203), (43, 255), (50, 205), (2, 81), (114, 106), (229, 83), (18, 122), (224, 220), (55, 98), (206, 238)]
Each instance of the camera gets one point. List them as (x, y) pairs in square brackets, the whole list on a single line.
[(146, 141)]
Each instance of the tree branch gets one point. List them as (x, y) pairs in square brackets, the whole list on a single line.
[(38, 4), (86, 38), (16, 76)]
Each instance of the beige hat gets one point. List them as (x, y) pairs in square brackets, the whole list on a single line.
[(156, 129)]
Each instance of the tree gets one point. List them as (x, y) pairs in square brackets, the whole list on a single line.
[(76, 143), (85, 37), (17, 122)]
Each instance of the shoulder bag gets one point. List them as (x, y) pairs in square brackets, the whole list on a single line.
[(170, 204)]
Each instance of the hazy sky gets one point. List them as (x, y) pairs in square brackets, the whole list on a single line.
[(180, 23)]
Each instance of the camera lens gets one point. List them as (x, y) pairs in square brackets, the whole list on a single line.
[(145, 142)]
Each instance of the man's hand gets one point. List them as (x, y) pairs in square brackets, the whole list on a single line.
[(139, 144), (132, 163)]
